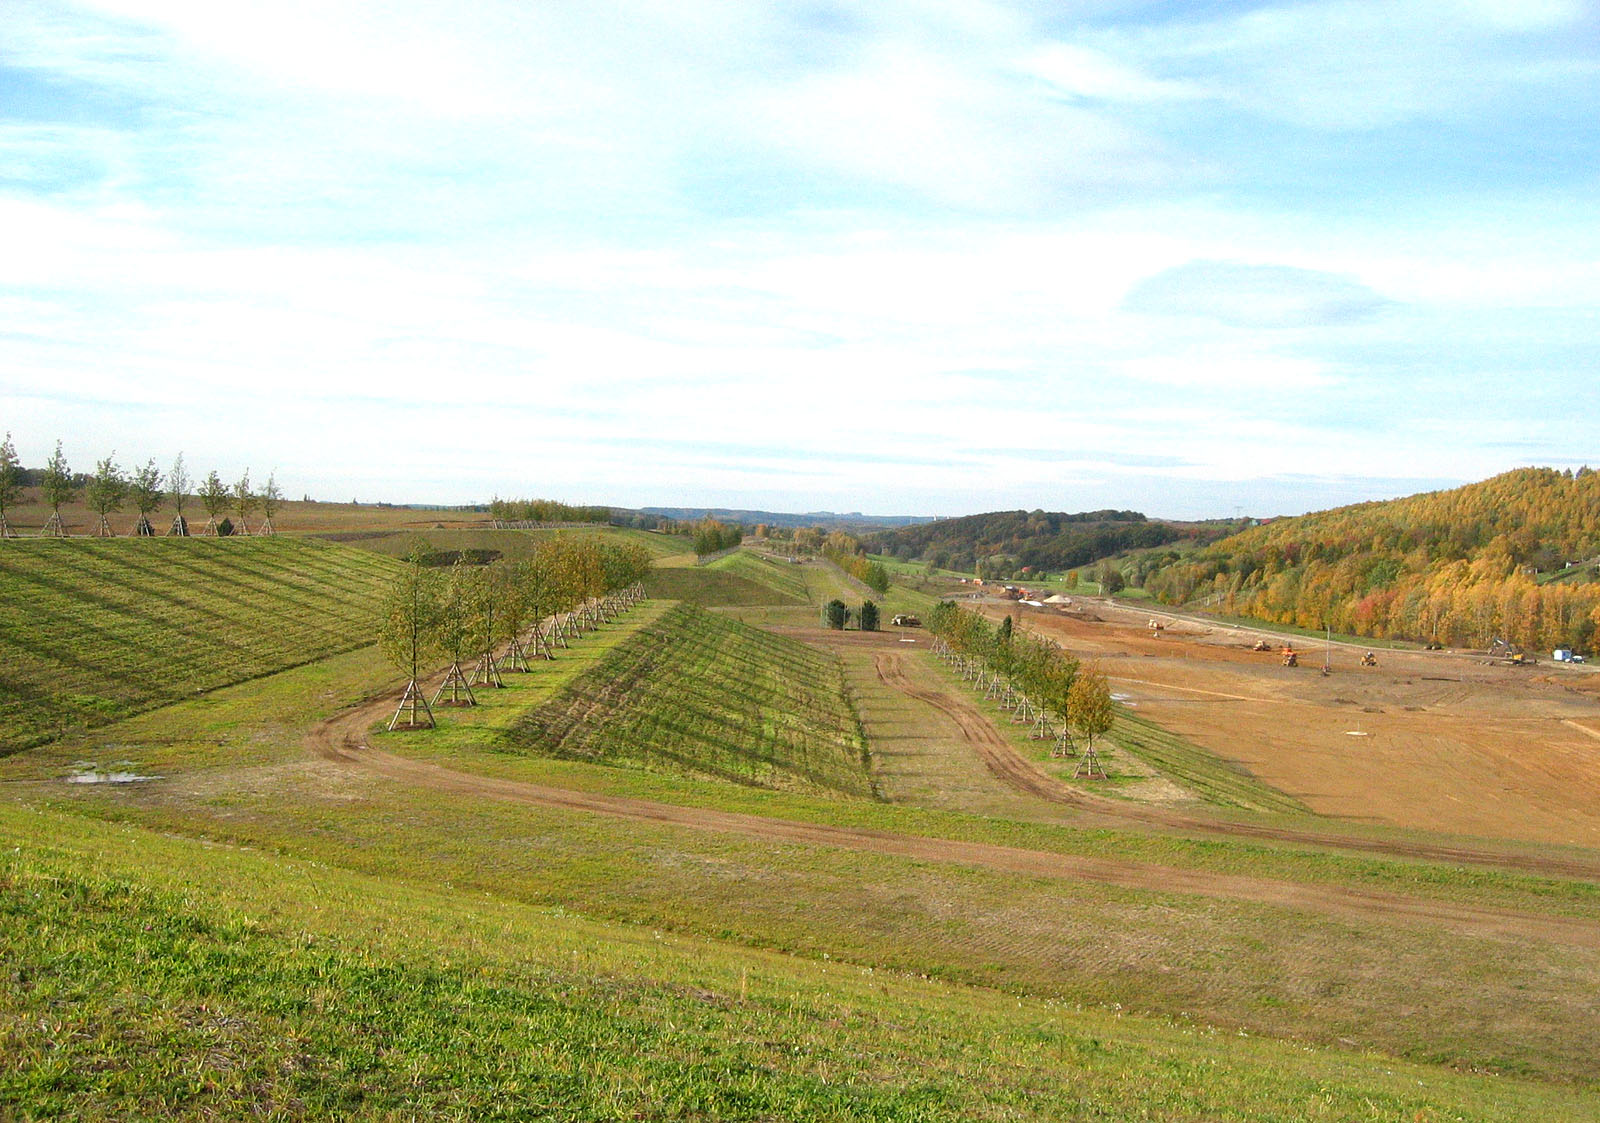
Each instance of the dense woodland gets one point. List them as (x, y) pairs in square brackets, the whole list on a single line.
[(1514, 557), (1003, 543), (546, 511)]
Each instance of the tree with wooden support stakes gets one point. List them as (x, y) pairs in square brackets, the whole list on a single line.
[(214, 498), (58, 487), (271, 500), (410, 638), (178, 484), (541, 595), (457, 632), (144, 488), (483, 595), (10, 483), (1091, 715), (507, 581), (105, 493), (244, 501)]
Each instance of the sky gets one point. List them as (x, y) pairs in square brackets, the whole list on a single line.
[(1197, 259)]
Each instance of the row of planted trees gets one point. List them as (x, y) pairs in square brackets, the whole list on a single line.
[(846, 552), (1042, 685), (110, 489), (545, 512), (498, 617), (710, 536)]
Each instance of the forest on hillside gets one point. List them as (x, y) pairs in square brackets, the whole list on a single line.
[(1514, 557), (1006, 542)]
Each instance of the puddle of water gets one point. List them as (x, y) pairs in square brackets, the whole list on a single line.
[(88, 772)]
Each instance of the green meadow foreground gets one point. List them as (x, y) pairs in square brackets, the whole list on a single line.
[(712, 862)]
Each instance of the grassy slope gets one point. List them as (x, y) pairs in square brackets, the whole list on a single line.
[(509, 543), (701, 695), (154, 977), (1517, 1007), (1426, 994), (739, 579), (92, 630)]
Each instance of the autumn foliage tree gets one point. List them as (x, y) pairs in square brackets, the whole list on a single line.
[(10, 483), (105, 493), (1514, 557), (144, 488), (409, 636)]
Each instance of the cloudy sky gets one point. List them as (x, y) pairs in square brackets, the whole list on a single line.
[(898, 257)]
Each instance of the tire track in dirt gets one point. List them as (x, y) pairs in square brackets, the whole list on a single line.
[(342, 740), (1009, 766), (998, 756)]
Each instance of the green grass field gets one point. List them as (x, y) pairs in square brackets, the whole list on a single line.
[(697, 694), (93, 630), (506, 543), (155, 978), (258, 930), (738, 579)]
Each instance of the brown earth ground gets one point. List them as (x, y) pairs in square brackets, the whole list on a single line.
[(28, 517), (342, 740), (1440, 741)]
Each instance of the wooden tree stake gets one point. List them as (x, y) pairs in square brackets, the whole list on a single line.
[(1089, 767), (409, 701), (460, 689)]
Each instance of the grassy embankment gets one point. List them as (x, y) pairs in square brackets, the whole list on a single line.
[(156, 978), (742, 578), (1154, 750), (92, 630), (697, 694), (496, 543), (1428, 993)]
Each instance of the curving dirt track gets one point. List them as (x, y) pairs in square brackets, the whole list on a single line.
[(1006, 764), (342, 740), (1446, 742), (996, 753)]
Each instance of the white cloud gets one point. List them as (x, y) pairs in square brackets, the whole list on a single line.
[(1254, 296)]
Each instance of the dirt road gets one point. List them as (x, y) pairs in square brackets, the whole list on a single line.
[(1445, 742), (342, 740), (1006, 764)]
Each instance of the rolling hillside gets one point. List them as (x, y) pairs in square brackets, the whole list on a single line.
[(698, 694), (93, 630), (1462, 566), (1040, 540)]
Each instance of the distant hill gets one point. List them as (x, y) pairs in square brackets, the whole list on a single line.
[(1043, 540), (827, 520), (1512, 557)]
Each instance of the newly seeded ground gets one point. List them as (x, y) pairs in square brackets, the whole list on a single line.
[(94, 630), (697, 694), (502, 543), (263, 929), (739, 579)]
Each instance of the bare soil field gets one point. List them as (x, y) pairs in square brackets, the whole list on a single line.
[(342, 740), (1440, 741)]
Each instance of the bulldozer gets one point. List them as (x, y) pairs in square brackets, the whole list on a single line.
[(1512, 653), (1262, 645)]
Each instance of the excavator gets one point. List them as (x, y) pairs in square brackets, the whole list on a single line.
[(1290, 658), (1512, 653), (1369, 660)]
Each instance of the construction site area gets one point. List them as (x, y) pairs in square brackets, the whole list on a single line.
[(1470, 743)]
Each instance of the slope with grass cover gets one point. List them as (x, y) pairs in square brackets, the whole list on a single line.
[(698, 694), (740, 579), (92, 630), (151, 976)]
